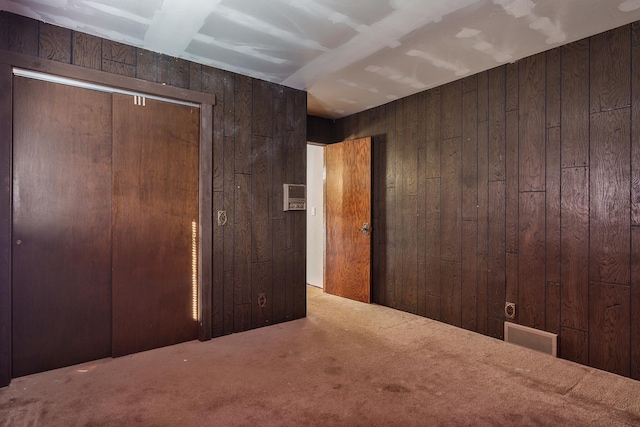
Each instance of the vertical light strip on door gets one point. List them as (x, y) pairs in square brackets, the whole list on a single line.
[(194, 270)]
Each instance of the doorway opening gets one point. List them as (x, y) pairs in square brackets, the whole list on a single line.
[(315, 215)]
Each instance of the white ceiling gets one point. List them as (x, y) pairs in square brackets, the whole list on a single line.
[(349, 55)]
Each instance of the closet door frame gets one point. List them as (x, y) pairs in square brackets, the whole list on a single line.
[(9, 60)]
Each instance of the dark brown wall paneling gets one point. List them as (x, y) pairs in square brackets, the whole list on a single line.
[(532, 123), (251, 116), (575, 104), (55, 43), (511, 171), (407, 126), (635, 204), (378, 252), (321, 130), (609, 326), (483, 201), (280, 131), (450, 304), (147, 65), (451, 110), (433, 248), (87, 50), (496, 273), (553, 88), (497, 109), (421, 227), (575, 247), (393, 243), (118, 58), (610, 71), (523, 184), (451, 196), (553, 205), (531, 271), (4, 31), (609, 197), (635, 303), (469, 284), (22, 35), (261, 230), (512, 84), (635, 135)]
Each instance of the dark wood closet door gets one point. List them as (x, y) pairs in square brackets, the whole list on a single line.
[(61, 226), (155, 210)]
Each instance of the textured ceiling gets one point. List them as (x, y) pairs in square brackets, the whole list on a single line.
[(349, 55)]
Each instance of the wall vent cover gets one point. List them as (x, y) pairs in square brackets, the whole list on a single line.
[(534, 339)]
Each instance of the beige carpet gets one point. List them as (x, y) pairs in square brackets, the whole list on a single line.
[(346, 364)]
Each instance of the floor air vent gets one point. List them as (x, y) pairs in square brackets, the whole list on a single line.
[(534, 339)]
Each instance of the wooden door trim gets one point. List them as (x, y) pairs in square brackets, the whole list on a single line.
[(205, 243), (102, 78), (8, 60), (6, 155)]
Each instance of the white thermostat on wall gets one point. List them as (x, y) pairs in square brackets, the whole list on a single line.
[(295, 197)]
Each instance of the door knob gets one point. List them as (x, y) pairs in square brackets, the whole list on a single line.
[(365, 229)]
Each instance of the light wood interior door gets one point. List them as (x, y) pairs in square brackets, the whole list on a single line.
[(348, 219), (155, 224), (61, 286)]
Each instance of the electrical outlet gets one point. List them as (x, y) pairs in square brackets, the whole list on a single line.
[(510, 310)]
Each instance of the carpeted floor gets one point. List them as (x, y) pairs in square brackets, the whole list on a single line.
[(346, 364)]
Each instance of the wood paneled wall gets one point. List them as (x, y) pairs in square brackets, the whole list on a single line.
[(259, 143), (519, 184), (320, 130)]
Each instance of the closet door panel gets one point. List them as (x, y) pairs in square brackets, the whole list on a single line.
[(61, 287), (155, 214)]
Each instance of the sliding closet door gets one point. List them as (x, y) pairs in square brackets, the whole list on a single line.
[(61, 285), (155, 214)]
